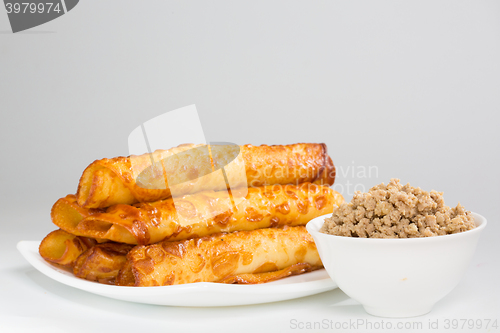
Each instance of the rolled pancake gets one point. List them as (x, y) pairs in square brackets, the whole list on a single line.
[(62, 248), (102, 262), (236, 257), (191, 168), (197, 215)]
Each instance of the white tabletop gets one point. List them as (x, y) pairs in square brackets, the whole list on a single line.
[(31, 301)]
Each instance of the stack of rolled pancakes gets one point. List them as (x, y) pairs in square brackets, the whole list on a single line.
[(119, 230)]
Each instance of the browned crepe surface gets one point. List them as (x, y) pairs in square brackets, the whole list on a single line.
[(238, 257), (197, 215), (107, 182)]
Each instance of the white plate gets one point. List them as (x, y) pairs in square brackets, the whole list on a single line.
[(193, 294)]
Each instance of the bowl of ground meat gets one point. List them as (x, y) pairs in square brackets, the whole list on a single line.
[(397, 249)]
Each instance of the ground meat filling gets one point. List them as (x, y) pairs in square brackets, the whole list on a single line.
[(397, 211)]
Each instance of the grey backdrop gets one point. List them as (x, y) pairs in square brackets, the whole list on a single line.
[(411, 88)]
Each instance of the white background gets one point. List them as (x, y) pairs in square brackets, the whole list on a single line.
[(411, 89)]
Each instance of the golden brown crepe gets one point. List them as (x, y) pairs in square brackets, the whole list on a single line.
[(193, 168), (62, 248), (197, 215), (102, 262), (238, 257), (218, 213)]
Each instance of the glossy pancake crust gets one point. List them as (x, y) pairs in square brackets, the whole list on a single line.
[(198, 214), (102, 262), (62, 248), (188, 169), (238, 257)]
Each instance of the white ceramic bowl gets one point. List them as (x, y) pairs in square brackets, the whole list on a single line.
[(396, 277)]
